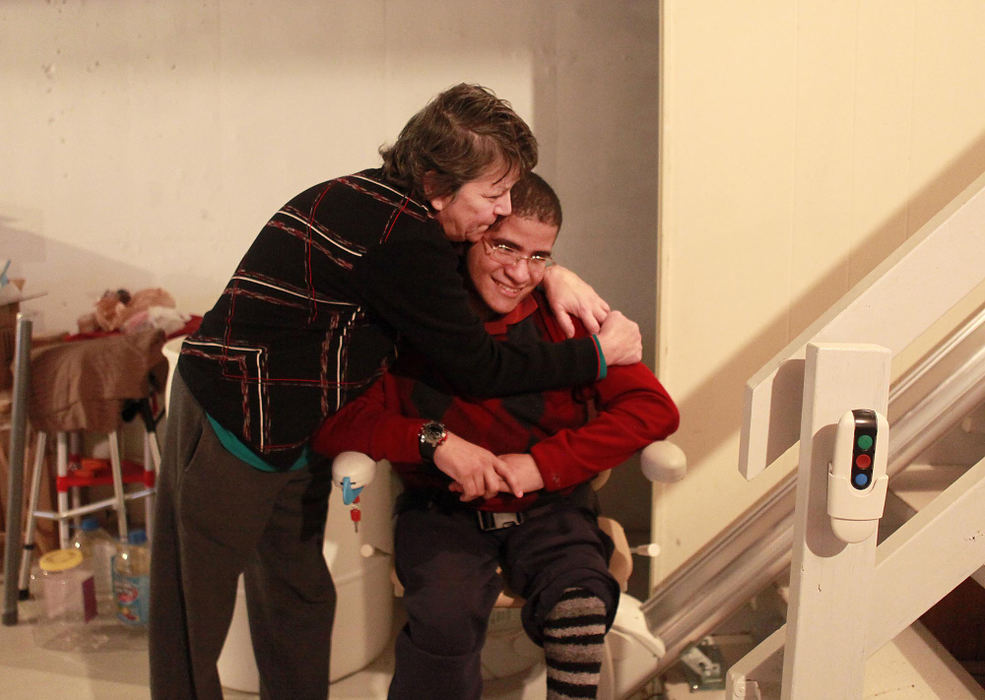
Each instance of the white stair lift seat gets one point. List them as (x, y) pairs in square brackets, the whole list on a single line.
[(364, 607), (632, 651)]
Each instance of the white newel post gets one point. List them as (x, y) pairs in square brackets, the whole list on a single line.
[(830, 579)]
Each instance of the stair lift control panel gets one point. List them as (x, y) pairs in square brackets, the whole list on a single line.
[(857, 480)]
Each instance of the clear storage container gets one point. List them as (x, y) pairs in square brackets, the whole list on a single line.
[(65, 590)]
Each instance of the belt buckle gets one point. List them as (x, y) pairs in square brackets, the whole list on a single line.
[(489, 520)]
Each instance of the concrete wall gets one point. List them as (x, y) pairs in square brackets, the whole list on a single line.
[(145, 142), (801, 143)]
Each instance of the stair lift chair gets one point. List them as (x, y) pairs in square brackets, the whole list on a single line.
[(632, 652)]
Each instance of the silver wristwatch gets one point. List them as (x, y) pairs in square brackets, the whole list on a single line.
[(430, 436)]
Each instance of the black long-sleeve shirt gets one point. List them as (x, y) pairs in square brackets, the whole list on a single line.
[(312, 314)]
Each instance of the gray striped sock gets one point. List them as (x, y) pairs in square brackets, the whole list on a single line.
[(574, 639)]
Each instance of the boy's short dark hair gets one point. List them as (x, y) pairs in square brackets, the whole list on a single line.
[(457, 135), (533, 198)]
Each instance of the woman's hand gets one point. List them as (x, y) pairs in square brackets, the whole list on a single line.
[(570, 296), (620, 340)]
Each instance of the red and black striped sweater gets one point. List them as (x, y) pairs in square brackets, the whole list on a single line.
[(573, 434)]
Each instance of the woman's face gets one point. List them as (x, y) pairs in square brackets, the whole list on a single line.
[(468, 213)]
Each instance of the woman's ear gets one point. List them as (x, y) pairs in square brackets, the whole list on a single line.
[(437, 203)]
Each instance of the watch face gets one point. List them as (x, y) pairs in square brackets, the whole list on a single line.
[(433, 433)]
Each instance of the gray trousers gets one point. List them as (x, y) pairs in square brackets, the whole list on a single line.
[(215, 518)]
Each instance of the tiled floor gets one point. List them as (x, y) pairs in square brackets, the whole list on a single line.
[(903, 670), (117, 670)]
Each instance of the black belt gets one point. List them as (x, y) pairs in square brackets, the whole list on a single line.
[(583, 497)]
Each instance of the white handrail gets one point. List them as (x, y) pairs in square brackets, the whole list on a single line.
[(756, 549), (893, 305)]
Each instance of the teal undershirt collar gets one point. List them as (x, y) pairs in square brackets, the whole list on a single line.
[(240, 451)]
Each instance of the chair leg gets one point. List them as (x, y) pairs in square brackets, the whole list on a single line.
[(151, 442), (116, 463), (152, 460), (32, 506), (74, 462), (62, 471)]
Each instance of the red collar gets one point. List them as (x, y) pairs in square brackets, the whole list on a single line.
[(527, 307)]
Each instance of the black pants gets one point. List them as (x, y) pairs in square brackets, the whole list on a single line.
[(215, 518), (447, 566)]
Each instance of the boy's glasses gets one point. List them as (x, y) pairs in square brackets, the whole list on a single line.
[(507, 256)]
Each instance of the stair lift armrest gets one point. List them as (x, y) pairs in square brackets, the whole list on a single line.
[(663, 461), (351, 472)]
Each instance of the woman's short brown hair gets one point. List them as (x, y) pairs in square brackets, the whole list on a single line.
[(457, 135)]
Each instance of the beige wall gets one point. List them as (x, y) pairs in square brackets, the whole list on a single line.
[(801, 142)]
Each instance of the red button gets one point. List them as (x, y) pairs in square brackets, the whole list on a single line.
[(863, 461)]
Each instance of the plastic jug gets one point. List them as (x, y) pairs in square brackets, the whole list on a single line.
[(98, 548), (131, 580)]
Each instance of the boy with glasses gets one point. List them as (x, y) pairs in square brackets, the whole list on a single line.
[(448, 546)]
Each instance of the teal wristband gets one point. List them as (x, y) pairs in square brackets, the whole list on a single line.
[(598, 346)]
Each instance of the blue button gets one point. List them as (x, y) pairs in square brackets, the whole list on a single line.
[(861, 480)]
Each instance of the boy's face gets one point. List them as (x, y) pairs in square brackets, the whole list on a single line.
[(468, 213), (500, 281)]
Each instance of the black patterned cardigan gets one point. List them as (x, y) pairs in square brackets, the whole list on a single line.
[(313, 312)]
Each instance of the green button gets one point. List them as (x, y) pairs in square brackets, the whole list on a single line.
[(865, 441)]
